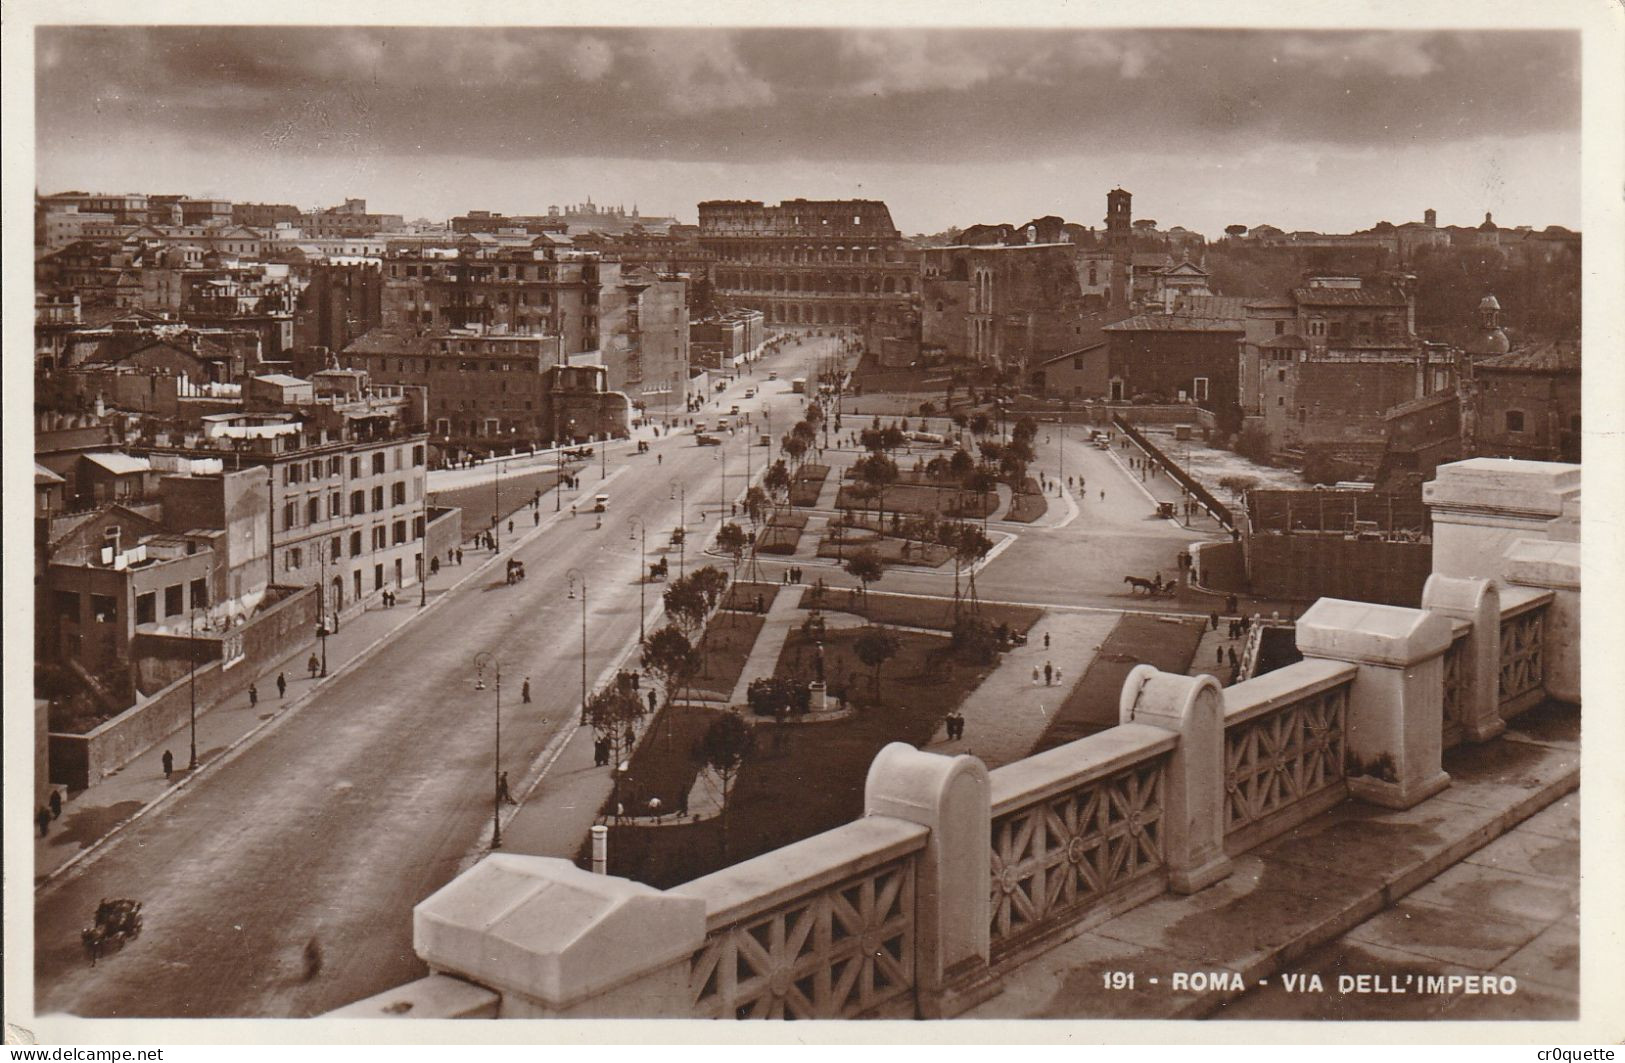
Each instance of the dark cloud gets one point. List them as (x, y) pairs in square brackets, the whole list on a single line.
[(774, 95)]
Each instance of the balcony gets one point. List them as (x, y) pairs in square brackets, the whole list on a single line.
[(968, 892)]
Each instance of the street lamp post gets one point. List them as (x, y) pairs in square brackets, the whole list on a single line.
[(496, 507), (480, 661), (573, 575), (423, 540), (643, 567), (321, 604), (191, 681)]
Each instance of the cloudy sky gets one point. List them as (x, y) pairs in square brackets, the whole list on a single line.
[(1323, 130)]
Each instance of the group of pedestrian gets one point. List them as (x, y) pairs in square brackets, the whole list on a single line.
[(955, 723), (390, 598), (454, 555), (601, 752), (1049, 673), (793, 574)]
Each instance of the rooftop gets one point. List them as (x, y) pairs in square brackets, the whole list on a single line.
[(1175, 323), (1545, 358), (1377, 296)]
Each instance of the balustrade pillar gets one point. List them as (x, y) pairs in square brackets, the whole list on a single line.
[(559, 942), (953, 884), (1396, 703), (1553, 566), (1193, 813), (1478, 602)]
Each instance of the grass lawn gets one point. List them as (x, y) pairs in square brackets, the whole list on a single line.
[(906, 611), (727, 642), (889, 549), (513, 491), (920, 499), (743, 594), (782, 534), (1029, 504), (807, 483), (802, 779)]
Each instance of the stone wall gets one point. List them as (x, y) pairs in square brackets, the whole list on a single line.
[(82, 760), (1306, 567)]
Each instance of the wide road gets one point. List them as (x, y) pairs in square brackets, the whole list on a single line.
[(340, 818)]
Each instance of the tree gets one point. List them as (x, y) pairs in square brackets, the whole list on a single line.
[(867, 567), (891, 438), (731, 541), (968, 544), (878, 472), (756, 503), (937, 469), (612, 709), (722, 751), (794, 446), (980, 424), (974, 640), (1235, 230), (685, 604), (670, 657), (981, 480), (711, 582), (777, 480), (874, 647)]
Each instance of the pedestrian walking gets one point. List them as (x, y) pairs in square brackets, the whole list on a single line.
[(1234, 663), (281, 685), (169, 763), (253, 695), (524, 691), (43, 817), (502, 789), (1049, 673), (1218, 654), (1046, 640), (1035, 673), (629, 739), (1213, 618), (314, 664), (651, 701), (56, 804), (313, 959), (1103, 496), (510, 525)]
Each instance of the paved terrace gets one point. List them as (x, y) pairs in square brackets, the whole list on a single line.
[(1337, 803)]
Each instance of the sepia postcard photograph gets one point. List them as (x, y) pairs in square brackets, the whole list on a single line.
[(1037, 513)]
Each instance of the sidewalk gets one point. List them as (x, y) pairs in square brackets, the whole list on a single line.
[(1472, 906), (785, 616), (91, 815)]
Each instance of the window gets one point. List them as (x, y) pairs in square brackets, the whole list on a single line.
[(290, 515), (1280, 328), (400, 532), (1281, 401), (103, 608), (1303, 414), (1337, 329), (174, 602), (417, 527), (146, 608), (355, 468), (378, 498), (1280, 375), (398, 493), (313, 509), (358, 502), (1515, 421), (378, 463), (355, 544), (335, 466), (378, 538), (293, 559), (315, 469), (417, 454), (335, 505), (198, 592), (1200, 389)]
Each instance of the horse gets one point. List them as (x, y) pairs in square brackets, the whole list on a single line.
[(93, 938), (1137, 584)]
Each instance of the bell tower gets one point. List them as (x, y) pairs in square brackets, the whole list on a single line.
[(1119, 218)]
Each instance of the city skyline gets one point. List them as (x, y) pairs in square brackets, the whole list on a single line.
[(927, 121)]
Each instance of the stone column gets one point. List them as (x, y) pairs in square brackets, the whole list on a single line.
[(1478, 602), (1193, 708), (559, 942), (1481, 506), (1553, 566), (1396, 703), (953, 910)]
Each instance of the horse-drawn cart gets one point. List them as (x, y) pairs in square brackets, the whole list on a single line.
[(117, 921)]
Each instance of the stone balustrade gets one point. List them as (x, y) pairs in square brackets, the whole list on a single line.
[(956, 874)]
